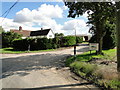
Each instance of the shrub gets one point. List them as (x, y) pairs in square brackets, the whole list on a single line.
[(83, 67), (21, 44), (8, 38), (109, 40), (79, 39), (56, 42), (69, 40)]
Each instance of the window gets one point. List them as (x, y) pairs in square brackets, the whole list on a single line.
[(50, 35)]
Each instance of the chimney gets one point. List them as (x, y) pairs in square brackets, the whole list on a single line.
[(20, 28), (41, 28)]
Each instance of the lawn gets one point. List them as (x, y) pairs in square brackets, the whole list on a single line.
[(12, 51), (86, 65)]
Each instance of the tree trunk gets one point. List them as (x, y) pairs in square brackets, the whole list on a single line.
[(118, 37), (99, 36)]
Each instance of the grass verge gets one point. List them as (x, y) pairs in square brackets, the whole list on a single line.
[(12, 51), (83, 67)]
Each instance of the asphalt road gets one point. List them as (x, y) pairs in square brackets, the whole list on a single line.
[(41, 70)]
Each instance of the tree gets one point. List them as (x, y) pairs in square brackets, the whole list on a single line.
[(8, 38), (101, 12), (109, 40), (1, 30), (59, 34), (118, 37)]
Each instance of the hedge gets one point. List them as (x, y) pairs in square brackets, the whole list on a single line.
[(79, 39), (69, 40), (20, 45), (44, 43)]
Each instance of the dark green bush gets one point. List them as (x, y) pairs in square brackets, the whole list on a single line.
[(57, 42), (109, 40), (21, 44), (69, 40), (8, 38)]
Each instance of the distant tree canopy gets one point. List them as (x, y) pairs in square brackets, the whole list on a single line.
[(59, 34), (1, 30), (8, 38)]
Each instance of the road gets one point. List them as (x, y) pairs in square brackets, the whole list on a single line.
[(41, 70)]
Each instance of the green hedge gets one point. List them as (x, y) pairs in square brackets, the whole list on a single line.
[(79, 39), (44, 43), (20, 45), (69, 40)]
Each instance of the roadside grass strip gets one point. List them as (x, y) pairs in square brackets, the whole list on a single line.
[(83, 67)]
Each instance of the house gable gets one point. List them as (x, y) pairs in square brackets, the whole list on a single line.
[(50, 34)]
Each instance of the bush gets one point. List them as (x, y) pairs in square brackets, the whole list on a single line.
[(21, 44), (56, 42), (8, 38), (109, 40), (68, 40), (79, 39), (83, 67)]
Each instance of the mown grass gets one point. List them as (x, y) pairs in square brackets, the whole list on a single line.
[(12, 51), (81, 66)]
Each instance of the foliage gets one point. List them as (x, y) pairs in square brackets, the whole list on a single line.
[(8, 38), (1, 30), (59, 34), (109, 40), (79, 39), (83, 67), (56, 42), (20, 45), (69, 40), (98, 14)]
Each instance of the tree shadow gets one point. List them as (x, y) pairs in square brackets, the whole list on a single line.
[(22, 64)]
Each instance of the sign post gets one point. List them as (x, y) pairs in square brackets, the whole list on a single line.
[(93, 46)]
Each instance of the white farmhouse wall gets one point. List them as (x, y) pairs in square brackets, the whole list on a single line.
[(50, 35)]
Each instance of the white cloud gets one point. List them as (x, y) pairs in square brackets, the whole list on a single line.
[(43, 12), (44, 17), (78, 24)]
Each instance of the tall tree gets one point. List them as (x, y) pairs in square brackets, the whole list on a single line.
[(118, 37), (101, 11)]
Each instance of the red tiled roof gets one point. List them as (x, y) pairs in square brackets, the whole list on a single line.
[(25, 33)]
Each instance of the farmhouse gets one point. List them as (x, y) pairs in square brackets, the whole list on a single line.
[(48, 33)]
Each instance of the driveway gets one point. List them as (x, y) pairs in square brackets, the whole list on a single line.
[(44, 70)]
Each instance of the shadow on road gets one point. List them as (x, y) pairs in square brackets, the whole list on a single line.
[(20, 65), (58, 86), (85, 49)]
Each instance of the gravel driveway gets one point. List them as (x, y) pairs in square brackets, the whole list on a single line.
[(41, 70)]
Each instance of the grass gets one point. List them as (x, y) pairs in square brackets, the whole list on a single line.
[(83, 68), (12, 51), (108, 55)]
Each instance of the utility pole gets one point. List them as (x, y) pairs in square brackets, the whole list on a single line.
[(75, 45)]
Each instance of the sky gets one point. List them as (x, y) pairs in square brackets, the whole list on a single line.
[(37, 15)]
